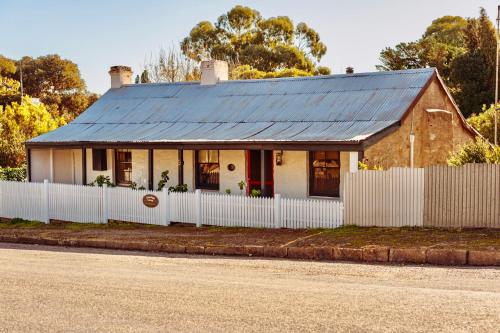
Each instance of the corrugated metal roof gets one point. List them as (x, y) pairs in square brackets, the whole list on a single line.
[(323, 108)]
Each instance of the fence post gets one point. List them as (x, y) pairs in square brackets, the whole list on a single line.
[(166, 198), (197, 199), (277, 210), (105, 203), (46, 201)]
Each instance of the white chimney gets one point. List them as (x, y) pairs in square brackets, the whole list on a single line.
[(120, 75), (213, 71)]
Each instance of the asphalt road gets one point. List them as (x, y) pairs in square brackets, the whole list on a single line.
[(44, 289)]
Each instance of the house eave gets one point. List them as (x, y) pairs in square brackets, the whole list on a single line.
[(356, 145)]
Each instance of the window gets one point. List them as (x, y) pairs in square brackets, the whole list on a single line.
[(123, 167), (325, 173), (207, 169), (99, 160)]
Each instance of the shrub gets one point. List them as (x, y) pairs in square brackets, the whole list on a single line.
[(255, 193), (164, 180), (178, 188), (479, 151), (13, 174), (364, 166), (101, 180), (484, 122)]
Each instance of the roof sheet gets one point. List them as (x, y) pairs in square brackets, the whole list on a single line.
[(323, 108)]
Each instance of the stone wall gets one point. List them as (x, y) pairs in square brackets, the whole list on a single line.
[(437, 133)]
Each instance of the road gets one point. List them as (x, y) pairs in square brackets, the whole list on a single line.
[(44, 289)]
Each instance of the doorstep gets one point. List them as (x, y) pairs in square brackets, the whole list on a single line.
[(368, 254)]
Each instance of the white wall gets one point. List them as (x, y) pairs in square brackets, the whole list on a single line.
[(165, 160), (67, 165), (140, 167), (92, 175), (40, 165), (230, 179), (290, 178)]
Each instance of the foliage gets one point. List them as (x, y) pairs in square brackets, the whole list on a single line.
[(169, 65), (178, 188), (13, 174), (7, 66), (255, 193), (473, 73), (462, 50), (133, 186), (479, 151), (9, 91), (101, 180), (246, 72), (20, 122), (55, 81), (484, 122), (365, 166), (241, 185), (164, 180), (228, 191), (243, 37)]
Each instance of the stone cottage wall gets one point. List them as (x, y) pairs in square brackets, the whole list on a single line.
[(437, 134)]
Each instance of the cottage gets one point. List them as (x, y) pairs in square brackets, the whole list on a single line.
[(294, 136)]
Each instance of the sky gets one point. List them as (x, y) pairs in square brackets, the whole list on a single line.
[(97, 34)]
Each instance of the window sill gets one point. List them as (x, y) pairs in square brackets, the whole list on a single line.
[(324, 198)]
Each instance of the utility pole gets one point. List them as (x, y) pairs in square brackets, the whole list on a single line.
[(495, 114), (21, 78)]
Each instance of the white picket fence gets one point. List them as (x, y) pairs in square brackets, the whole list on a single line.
[(87, 204)]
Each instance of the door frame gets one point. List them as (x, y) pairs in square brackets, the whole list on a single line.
[(249, 170)]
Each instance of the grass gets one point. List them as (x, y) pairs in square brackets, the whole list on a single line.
[(346, 236), (354, 236), (26, 224), (23, 224)]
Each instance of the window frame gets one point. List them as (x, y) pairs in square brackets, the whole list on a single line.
[(121, 182), (335, 193), (197, 164)]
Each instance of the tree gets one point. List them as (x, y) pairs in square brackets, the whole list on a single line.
[(243, 38), (169, 65), (442, 41), (403, 56), (7, 66), (484, 122), (20, 122), (462, 50), (473, 73), (479, 151), (55, 81)]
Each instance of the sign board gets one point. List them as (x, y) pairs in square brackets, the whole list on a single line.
[(150, 200)]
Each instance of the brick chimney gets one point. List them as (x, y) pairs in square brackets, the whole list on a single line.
[(120, 75), (213, 71)]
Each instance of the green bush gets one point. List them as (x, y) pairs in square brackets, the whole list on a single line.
[(164, 180), (101, 180), (13, 174), (178, 188), (479, 151), (255, 193)]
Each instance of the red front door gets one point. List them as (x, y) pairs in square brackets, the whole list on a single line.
[(260, 172)]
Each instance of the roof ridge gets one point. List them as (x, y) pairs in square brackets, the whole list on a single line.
[(295, 78)]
